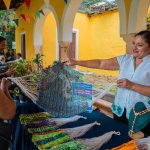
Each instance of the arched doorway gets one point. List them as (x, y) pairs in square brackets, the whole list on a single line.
[(45, 35), (98, 34)]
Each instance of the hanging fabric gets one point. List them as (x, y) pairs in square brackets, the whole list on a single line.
[(55, 91), (60, 90), (28, 3)]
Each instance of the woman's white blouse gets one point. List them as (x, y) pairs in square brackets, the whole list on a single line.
[(127, 98)]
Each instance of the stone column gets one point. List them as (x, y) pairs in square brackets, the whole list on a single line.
[(128, 38), (63, 49)]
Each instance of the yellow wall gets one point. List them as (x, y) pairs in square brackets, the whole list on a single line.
[(82, 24), (49, 27), (59, 7), (99, 37), (148, 10), (28, 28), (49, 40)]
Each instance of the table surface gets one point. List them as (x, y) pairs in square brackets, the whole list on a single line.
[(22, 141)]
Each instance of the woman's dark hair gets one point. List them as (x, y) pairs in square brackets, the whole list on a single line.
[(146, 35)]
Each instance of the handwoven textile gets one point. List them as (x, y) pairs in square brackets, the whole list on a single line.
[(28, 85), (55, 91)]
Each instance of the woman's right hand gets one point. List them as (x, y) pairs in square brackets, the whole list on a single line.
[(69, 61)]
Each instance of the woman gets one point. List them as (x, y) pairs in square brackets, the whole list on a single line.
[(134, 79)]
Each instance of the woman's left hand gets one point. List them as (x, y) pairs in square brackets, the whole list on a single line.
[(124, 83)]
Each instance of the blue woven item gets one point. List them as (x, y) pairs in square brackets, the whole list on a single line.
[(55, 91)]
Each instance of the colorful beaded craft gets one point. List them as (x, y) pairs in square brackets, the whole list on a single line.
[(28, 118), (71, 145), (42, 129), (55, 142)]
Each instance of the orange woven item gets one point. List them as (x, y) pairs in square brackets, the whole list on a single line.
[(127, 146)]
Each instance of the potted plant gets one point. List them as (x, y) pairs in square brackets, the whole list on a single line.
[(20, 68), (38, 61)]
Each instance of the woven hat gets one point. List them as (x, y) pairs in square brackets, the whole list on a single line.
[(139, 117)]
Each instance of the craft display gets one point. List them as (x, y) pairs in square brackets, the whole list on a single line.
[(47, 134), (53, 90)]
